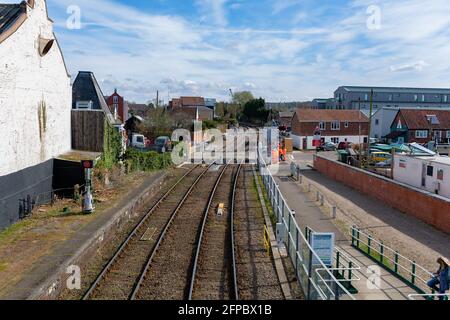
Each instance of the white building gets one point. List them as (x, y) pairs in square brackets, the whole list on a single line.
[(430, 173), (35, 100)]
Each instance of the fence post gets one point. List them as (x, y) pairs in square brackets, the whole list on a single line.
[(413, 273), (369, 244), (357, 238), (334, 212), (317, 196), (353, 236), (381, 252), (350, 274), (396, 262), (288, 234), (321, 200), (338, 257)]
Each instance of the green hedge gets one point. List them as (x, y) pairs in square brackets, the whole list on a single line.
[(146, 161)]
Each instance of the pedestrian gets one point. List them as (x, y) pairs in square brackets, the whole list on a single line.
[(441, 278)]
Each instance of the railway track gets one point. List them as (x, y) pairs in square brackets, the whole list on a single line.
[(168, 271), (119, 278), (214, 271)]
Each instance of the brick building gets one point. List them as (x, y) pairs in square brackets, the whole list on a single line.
[(421, 126), (118, 106), (335, 126)]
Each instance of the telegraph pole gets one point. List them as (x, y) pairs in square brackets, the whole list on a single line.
[(370, 127)]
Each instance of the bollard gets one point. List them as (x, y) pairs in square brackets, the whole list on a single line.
[(333, 214), (309, 187), (321, 200)]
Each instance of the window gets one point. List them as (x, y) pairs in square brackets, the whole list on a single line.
[(335, 125), (335, 140), (420, 134), (448, 134), (445, 98), (366, 97), (416, 97), (391, 97), (115, 99), (433, 119), (377, 122), (423, 98), (84, 105), (430, 171), (346, 124), (322, 125)]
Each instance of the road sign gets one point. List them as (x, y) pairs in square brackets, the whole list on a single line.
[(323, 245)]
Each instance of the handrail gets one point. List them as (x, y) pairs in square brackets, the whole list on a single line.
[(280, 204), (392, 257)]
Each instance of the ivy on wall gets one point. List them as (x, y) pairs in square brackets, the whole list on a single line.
[(112, 146)]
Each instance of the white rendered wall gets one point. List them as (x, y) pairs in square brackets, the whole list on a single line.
[(26, 80), (412, 174)]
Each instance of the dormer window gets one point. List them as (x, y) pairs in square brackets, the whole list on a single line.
[(432, 119), (84, 105)]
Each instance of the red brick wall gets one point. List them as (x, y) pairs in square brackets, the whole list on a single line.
[(307, 129), (428, 208)]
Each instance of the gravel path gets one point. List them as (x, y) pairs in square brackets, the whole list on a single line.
[(257, 277)]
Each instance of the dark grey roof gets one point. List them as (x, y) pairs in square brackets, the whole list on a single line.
[(396, 89), (9, 13), (86, 88)]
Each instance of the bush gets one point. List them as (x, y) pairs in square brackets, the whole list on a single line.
[(146, 161)]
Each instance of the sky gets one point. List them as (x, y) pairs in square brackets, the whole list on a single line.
[(281, 50)]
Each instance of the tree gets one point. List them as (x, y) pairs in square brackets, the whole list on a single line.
[(242, 97), (255, 111), (157, 124)]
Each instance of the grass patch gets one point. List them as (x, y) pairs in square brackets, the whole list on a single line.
[(15, 229), (267, 203), (375, 255)]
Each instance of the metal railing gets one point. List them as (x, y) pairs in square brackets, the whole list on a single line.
[(316, 280), (344, 266), (406, 269)]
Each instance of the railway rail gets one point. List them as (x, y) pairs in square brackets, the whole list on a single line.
[(168, 271), (119, 277), (214, 272)]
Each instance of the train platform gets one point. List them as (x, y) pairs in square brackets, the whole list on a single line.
[(39, 276), (308, 214)]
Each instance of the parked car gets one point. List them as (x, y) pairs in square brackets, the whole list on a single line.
[(327, 146), (139, 141), (344, 145), (162, 145)]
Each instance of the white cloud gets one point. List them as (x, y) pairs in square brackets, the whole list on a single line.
[(213, 11), (140, 52), (417, 66)]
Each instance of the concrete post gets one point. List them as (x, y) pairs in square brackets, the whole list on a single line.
[(317, 196), (321, 200)]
